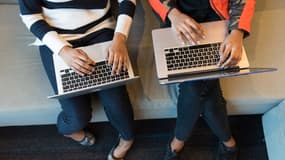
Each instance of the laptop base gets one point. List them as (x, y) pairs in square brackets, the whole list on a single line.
[(213, 75)]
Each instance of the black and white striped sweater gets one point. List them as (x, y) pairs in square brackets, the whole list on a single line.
[(55, 22)]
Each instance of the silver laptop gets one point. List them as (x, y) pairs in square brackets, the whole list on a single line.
[(177, 63), (70, 84)]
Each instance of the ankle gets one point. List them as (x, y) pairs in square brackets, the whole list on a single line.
[(176, 145), (230, 143), (126, 144)]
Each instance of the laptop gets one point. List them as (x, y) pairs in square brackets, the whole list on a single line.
[(71, 84), (176, 63)]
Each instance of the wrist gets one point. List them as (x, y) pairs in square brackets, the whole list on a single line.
[(120, 37), (172, 13), (63, 50), (238, 32)]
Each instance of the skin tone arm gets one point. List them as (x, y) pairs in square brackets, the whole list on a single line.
[(188, 30)]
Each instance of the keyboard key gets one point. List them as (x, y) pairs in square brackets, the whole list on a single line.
[(101, 75), (192, 56)]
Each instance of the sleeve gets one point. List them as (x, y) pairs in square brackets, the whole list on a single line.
[(125, 16), (162, 7), (31, 14), (241, 14)]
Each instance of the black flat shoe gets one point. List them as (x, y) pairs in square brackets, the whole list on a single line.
[(227, 153), (169, 154), (111, 153)]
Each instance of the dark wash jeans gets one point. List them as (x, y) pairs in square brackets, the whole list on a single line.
[(76, 111), (201, 98)]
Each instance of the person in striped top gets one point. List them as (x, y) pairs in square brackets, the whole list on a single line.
[(60, 26), (204, 98)]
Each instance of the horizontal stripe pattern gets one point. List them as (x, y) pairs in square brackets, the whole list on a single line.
[(76, 4), (102, 35), (61, 18), (73, 17), (107, 24), (85, 28)]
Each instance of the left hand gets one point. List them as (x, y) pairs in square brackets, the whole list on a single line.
[(118, 54), (231, 49)]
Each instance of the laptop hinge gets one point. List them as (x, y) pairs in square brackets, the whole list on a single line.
[(230, 69)]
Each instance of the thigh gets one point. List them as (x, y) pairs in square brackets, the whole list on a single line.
[(116, 98), (189, 105), (118, 110), (215, 112), (191, 93), (79, 104), (47, 61), (214, 95), (192, 88)]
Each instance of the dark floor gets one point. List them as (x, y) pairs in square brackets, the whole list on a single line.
[(44, 143)]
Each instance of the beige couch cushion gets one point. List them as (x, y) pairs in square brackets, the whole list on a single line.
[(265, 48), (8, 1)]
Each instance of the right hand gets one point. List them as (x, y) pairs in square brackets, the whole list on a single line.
[(187, 29), (77, 60)]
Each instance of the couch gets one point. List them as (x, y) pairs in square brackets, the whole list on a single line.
[(24, 85)]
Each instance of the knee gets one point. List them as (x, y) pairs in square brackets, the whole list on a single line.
[(73, 118), (116, 100), (69, 123), (76, 108)]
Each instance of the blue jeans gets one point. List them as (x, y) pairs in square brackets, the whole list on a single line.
[(201, 98), (76, 111)]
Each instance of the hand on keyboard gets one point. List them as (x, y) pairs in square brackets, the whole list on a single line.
[(118, 54), (231, 49), (77, 60), (188, 30)]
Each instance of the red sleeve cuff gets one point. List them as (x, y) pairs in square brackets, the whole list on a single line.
[(159, 8)]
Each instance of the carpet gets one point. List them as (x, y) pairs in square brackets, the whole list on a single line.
[(44, 143)]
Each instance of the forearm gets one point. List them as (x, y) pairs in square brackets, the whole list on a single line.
[(241, 13), (125, 16)]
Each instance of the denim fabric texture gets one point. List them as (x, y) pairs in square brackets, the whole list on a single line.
[(76, 111), (201, 98)]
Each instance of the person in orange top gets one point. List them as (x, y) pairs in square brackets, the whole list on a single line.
[(204, 98)]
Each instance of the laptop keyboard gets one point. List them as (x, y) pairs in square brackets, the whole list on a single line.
[(102, 75), (192, 56)]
